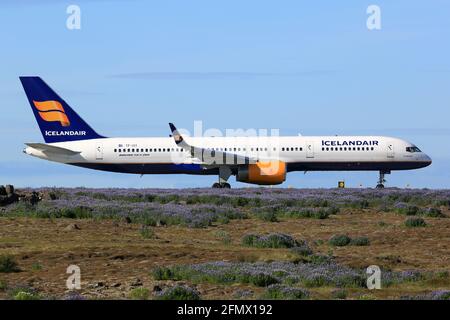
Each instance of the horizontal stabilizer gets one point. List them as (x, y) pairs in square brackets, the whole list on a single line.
[(46, 148)]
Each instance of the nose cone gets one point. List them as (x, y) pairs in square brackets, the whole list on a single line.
[(428, 160)]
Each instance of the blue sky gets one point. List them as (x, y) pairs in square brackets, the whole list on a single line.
[(309, 67)]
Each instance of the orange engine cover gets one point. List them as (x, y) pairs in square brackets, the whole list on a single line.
[(271, 172)]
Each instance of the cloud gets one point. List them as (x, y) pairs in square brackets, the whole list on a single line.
[(213, 75)]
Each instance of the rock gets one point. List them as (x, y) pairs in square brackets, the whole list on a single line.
[(116, 285), (160, 223), (9, 189), (157, 289), (3, 200), (31, 198), (8, 199), (127, 220), (136, 283), (2, 190), (72, 226)]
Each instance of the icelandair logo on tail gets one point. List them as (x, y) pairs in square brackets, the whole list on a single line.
[(53, 111)]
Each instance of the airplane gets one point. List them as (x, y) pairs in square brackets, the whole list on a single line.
[(254, 160)]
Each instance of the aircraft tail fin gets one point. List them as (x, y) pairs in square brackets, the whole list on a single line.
[(56, 119)]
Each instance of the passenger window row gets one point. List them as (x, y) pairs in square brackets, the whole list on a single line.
[(213, 149), (348, 149), (148, 150), (292, 149)]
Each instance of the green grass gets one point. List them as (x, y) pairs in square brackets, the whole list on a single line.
[(415, 222), (139, 294), (273, 240), (223, 237), (339, 240), (147, 233), (8, 264)]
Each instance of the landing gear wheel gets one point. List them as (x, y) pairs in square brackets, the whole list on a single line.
[(381, 179), (221, 185)]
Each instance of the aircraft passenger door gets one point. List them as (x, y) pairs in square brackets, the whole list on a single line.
[(310, 149), (98, 151), (390, 150)]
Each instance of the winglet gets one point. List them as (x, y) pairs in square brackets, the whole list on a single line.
[(176, 135)]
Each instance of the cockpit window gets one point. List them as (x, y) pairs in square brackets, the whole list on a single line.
[(412, 149)]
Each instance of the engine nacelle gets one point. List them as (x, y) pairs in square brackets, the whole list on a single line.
[(269, 173)]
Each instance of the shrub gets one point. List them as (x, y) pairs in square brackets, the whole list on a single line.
[(440, 295), (276, 291), (23, 293), (179, 293), (408, 210), (321, 214), (140, 294), (291, 280), (302, 249), (147, 233), (415, 222), (267, 216), (432, 212), (339, 240), (36, 266), (249, 240), (163, 273), (360, 204), (317, 280), (339, 294), (223, 236), (8, 264), (262, 279), (3, 285), (315, 213), (320, 259), (361, 241), (273, 240)]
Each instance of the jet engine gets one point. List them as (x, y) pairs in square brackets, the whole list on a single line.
[(268, 173)]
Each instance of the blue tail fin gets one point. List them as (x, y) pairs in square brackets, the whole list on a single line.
[(56, 119)]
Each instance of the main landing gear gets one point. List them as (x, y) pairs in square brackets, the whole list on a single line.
[(381, 179), (224, 174), (218, 185)]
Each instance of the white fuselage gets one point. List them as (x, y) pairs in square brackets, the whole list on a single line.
[(300, 153)]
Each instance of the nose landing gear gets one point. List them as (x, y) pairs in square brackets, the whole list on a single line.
[(381, 179)]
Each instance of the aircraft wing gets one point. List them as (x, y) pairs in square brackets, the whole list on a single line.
[(46, 148), (207, 156)]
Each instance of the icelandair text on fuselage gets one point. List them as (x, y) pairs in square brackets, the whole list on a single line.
[(339, 143), (65, 133)]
